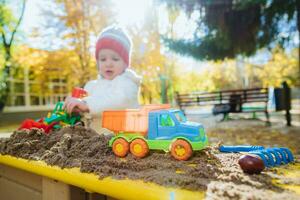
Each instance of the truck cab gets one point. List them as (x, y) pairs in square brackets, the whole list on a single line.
[(172, 123)]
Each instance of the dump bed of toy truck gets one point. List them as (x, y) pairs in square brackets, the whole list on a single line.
[(130, 120)]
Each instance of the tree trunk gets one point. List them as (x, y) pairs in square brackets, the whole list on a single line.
[(298, 25), (6, 72), (7, 43)]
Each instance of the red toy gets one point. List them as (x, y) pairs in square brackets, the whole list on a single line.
[(79, 93), (30, 123)]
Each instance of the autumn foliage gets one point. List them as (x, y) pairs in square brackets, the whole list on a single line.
[(79, 22)]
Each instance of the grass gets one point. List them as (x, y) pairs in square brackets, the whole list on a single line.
[(8, 128)]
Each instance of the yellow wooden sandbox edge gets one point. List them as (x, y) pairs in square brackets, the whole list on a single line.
[(120, 189), (290, 171)]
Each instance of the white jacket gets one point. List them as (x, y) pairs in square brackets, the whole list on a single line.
[(117, 94)]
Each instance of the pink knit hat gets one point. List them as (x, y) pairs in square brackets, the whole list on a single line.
[(116, 39)]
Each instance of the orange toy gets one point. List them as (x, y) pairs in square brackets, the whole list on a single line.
[(130, 120)]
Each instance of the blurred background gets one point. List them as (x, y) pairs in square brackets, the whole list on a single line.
[(47, 48)]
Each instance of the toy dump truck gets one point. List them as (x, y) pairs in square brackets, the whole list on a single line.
[(153, 127)]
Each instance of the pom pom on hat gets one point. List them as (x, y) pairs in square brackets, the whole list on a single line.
[(116, 39)]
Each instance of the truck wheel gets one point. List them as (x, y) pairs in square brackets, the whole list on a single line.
[(181, 149), (139, 148), (120, 147)]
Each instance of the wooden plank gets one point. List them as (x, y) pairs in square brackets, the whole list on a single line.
[(21, 177), (53, 190), (11, 190), (95, 196), (16, 184)]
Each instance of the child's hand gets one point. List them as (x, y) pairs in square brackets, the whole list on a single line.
[(75, 105)]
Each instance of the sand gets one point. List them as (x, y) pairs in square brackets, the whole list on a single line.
[(208, 170)]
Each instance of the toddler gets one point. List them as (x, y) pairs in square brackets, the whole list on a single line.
[(117, 86)]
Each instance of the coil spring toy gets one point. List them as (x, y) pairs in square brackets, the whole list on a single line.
[(270, 156)]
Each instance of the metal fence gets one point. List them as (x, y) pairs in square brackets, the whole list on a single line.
[(30, 95)]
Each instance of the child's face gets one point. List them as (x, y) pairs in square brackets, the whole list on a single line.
[(110, 64)]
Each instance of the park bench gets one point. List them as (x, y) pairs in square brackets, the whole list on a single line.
[(228, 101)]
